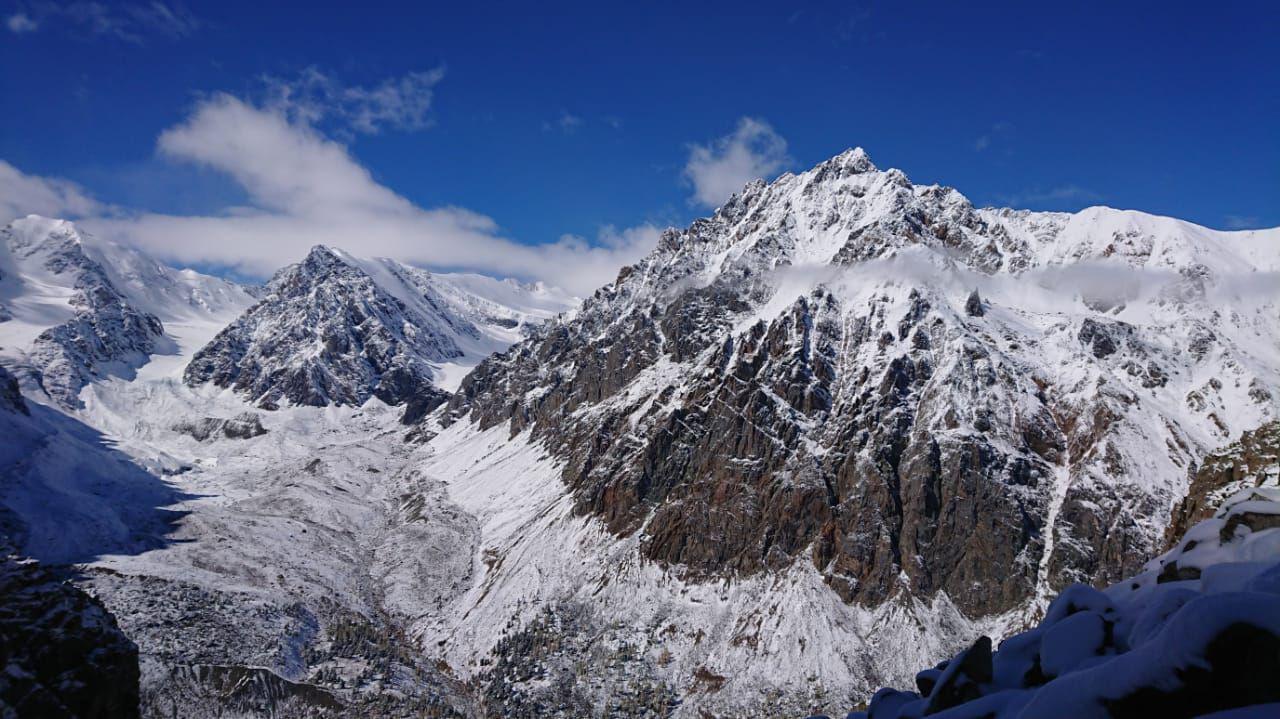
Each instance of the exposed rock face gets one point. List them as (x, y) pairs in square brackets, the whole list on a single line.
[(60, 649), (1163, 643), (10, 396), (326, 333), (789, 378), (106, 333), (973, 306), (243, 426), (1252, 461)]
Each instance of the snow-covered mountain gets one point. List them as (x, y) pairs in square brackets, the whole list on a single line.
[(75, 309), (810, 444), (843, 422), (283, 529), (337, 330)]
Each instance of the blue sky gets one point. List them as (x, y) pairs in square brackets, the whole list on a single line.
[(551, 121)]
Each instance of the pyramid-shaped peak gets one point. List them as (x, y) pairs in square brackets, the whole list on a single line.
[(322, 252), (855, 159), (323, 257)]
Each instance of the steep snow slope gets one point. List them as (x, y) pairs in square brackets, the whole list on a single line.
[(505, 312), (78, 309), (908, 406)]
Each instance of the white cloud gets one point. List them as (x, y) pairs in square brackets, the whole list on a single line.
[(401, 103), (566, 123), (131, 22), (1057, 196), (718, 170), (998, 130), (306, 189), (22, 195), (21, 22), (1242, 222)]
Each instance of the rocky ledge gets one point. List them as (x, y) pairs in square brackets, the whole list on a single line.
[(1197, 632)]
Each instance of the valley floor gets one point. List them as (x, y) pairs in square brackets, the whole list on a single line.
[(328, 564)]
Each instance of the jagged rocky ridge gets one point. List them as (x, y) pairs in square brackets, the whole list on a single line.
[(1251, 461), (1196, 632), (326, 333), (807, 375), (106, 333), (79, 310), (337, 330)]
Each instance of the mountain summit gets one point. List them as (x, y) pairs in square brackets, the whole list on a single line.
[(337, 330), (326, 333), (802, 389)]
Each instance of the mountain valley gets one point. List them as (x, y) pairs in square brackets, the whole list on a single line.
[(809, 445)]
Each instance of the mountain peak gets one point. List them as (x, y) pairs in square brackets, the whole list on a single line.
[(322, 254), (854, 159)]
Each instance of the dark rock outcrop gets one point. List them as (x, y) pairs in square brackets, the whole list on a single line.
[(1249, 462), (10, 395), (61, 652), (973, 306), (245, 425)]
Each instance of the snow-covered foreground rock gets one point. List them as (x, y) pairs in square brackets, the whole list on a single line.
[(1197, 632)]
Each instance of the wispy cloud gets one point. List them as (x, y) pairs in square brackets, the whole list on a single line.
[(304, 188), (1056, 197), (998, 131), (567, 122), (21, 22), (1242, 222), (130, 22), (720, 168), (401, 103), (22, 194)]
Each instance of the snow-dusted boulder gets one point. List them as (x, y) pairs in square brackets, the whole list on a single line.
[(245, 425)]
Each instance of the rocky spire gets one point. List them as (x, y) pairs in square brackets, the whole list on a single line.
[(974, 306)]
